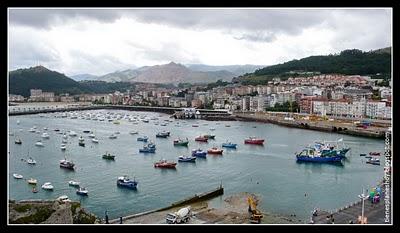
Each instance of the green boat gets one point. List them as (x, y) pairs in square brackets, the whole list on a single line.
[(179, 142), (108, 156)]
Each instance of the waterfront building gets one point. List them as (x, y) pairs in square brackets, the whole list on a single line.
[(39, 95), (15, 98)]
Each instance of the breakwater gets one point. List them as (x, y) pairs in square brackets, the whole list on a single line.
[(195, 198), (315, 126)]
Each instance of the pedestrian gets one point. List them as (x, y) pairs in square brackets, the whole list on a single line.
[(328, 219), (106, 217), (120, 220)]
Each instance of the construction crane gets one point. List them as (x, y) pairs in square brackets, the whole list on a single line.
[(256, 215)]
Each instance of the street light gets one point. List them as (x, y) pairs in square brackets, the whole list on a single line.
[(362, 196)]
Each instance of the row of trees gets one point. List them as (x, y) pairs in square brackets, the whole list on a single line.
[(288, 106)]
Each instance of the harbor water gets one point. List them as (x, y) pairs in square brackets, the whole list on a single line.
[(271, 171)]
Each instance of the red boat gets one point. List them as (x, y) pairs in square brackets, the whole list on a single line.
[(253, 140), (215, 150), (201, 139), (164, 164), (374, 153)]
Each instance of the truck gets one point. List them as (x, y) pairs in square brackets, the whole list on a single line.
[(181, 216)]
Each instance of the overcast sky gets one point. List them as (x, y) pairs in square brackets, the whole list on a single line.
[(100, 41)]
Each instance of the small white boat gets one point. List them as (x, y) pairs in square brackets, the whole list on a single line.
[(39, 143), (63, 147), (134, 132), (17, 176), (95, 140), (45, 135), (73, 183), (72, 133), (45, 128), (82, 191), (31, 161), (63, 198), (81, 139), (32, 130), (65, 136), (11, 134), (18, 122), (92, 135), (47, 186), (32, 181), (112, 136)]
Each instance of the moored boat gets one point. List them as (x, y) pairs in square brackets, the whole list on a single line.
[(374, 161), (180, 142), (229, 145), (63, 147), (45, 135), (254, 141), (201, 139), (64, 163), (147, 149), (162, 135), (32, 181), (363, 154), (108, 156), (81, 143), (112, 136), (31, 161), (39, 143), (95, 140), (186, 159), (209, 136), (199, 153), (124, 181), (82, 191), (375, 153), (133, 132), (164, 164), (72, 133), (215, 150), (313, 155), (47, 186), (18, 141), (73, 183), (142, 139), (18, 176)]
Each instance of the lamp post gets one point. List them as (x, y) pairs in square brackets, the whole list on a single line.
[(362, 196)]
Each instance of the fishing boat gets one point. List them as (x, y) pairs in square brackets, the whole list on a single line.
[(47, 186), (73, 183), (108, 156), (112, 136), (143, 139), (18, 141), (313, 155), (215, 150), (186, 159), (147, 149), (133, 132), (179, 142), (332, 148), (164, 164), (39, 143), (201, 139), (64, 163), (374, 161), (82, 191), (375, 153), (95, 140), (72, 133), (63, 147), (32, 181), (18, 176), (162, 135), (124, 181), (209, 136), (199, 153), (254, 141), (229, 145), (31, 161)]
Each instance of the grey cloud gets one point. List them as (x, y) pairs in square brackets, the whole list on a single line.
[(257, 37)]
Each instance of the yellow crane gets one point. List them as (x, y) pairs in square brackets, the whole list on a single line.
[(256, 215)]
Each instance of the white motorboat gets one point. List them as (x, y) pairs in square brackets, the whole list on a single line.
[(39, 143), (134, 132), (63, 198), (73, 183), (45, 128), (18, 176), (32, 130), (31, 161), (82, 191), (32, 181), (72, 133), (95, 140), (63, 147), (112, 136), (92, 135), (45, 135), (47, 186)]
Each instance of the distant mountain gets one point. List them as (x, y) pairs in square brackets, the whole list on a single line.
[(82, 77), (347, 62), (39, 77), (167, 73), (235, 69), (383, 50)]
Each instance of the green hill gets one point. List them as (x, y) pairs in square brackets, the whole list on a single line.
[(347, 62), (39, 77)]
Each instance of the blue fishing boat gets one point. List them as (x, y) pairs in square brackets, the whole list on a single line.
[(199, 153), (313, 155), (146, 149), (143, 139), (229, 145), (186, 159), (124, 181)]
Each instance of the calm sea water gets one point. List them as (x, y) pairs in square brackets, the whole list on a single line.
[(286, 187)]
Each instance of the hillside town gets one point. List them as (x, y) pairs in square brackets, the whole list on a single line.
[(352, 96)]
